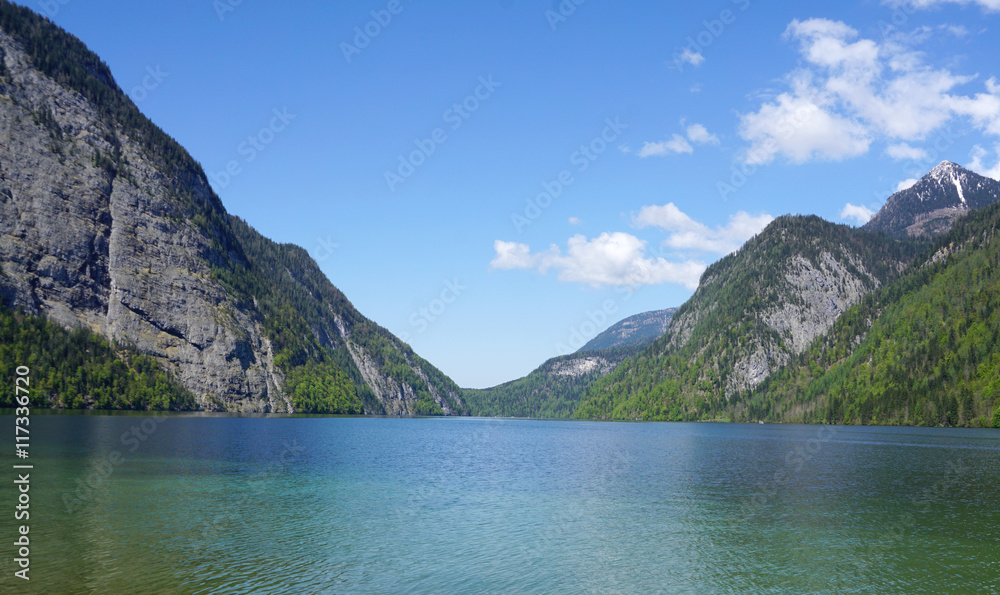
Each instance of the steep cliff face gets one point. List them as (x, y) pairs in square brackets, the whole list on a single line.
[(106, 223)]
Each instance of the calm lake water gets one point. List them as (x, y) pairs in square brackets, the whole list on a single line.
[(203, 504)]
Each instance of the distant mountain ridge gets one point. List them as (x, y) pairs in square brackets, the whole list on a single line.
[(554, 388), (634, 331), (931, 206)]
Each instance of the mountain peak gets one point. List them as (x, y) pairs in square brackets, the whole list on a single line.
[(945, 167), (930, 206)]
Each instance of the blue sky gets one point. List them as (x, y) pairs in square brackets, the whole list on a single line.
[(498, 181)]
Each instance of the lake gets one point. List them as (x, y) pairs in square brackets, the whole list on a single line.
[(224, 504)]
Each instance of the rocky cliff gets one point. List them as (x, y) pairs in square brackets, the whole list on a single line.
[(107, 223)]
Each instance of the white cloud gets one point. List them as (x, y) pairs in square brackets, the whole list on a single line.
[(977, 165), (987, 5), (512, 255), (859, 213), (800, 128), (693, 58), (676, 144), (907, 183), (852, 91), (697, 133), (903, 151), (616, 259), (688, 234), (574, 221)]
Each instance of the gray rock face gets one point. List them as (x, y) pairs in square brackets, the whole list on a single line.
[(824, 294), (581, 366), (85, 247), (782, 320), (113, 249)]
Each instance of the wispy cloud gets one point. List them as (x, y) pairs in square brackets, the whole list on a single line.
[(977, 165), (674, 145), (677, 144), (693, 58), (903, 151)]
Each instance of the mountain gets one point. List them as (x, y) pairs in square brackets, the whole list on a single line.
[(924, 350), (931, 206), (754, 310), (633, 331), (785, 328), (554, 389), (108, 226)]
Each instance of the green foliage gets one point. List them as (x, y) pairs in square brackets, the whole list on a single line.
[(426, 405), (78, 369), (316, 388)]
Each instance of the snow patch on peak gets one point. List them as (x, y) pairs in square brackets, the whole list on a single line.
[(958, 185)]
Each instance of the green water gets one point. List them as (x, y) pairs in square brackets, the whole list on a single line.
[(205, 504)]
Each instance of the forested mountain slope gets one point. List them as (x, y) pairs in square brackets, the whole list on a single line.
[(922, 351), (753, 311)]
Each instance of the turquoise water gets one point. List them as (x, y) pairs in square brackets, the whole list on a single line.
[(213, 504)]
